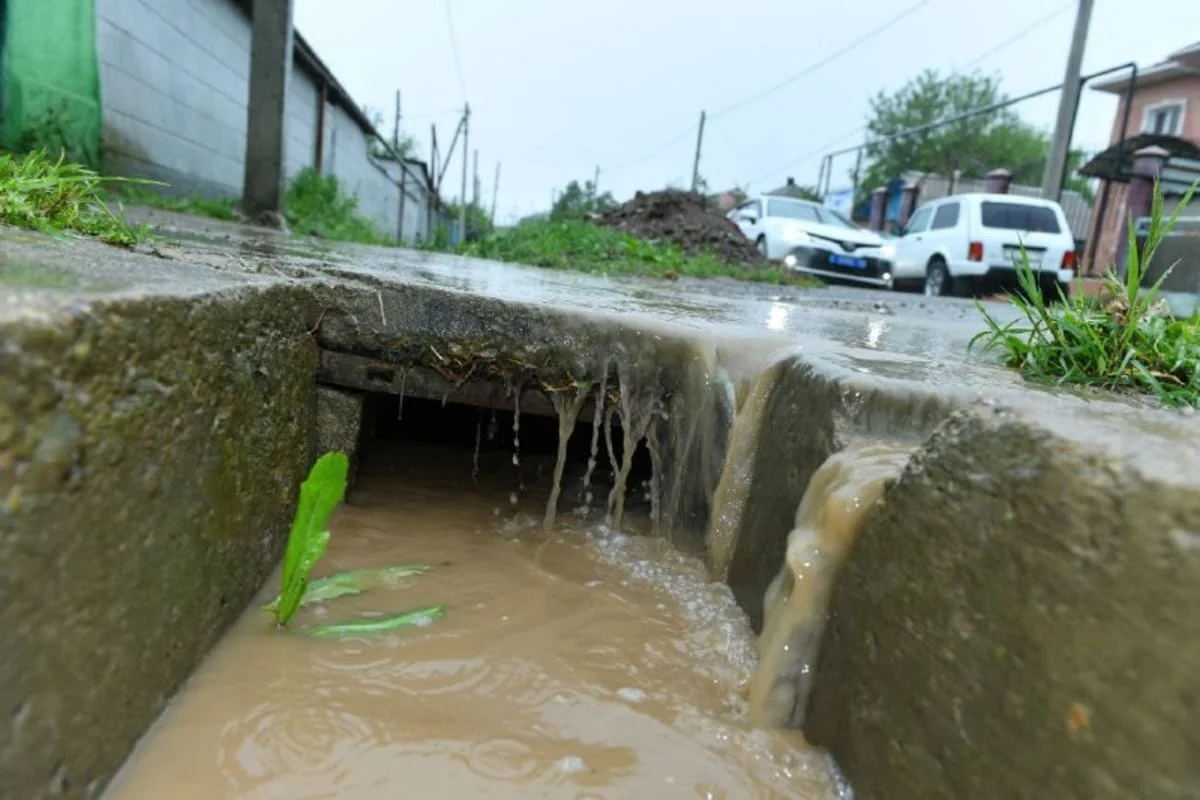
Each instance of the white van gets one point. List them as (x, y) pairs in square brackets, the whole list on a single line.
[(967, 244)]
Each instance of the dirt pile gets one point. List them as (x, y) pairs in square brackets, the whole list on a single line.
[(685, 219)]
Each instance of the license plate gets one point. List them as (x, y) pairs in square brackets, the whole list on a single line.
[(848, 261), (1014, 256)]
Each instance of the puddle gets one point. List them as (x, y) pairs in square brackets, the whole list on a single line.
[(571, 663)]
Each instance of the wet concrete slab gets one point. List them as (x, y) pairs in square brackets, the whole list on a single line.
[(127, 372)]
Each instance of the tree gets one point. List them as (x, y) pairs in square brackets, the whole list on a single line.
[(404, 145), (972, 146), (578, 201)]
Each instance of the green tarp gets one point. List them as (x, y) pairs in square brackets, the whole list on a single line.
[(49, 78)]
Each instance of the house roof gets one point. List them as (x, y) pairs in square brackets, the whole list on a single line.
[(1116, 163), (1183, 63)]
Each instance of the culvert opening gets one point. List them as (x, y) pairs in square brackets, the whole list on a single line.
[(503, 449)]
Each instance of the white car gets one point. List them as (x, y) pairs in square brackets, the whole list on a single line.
[(969, 243), (808, 237)]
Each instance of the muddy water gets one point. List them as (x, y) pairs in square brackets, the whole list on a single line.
[(571, 663), (831, 515)]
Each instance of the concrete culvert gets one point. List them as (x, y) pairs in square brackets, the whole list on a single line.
[(954, 584)]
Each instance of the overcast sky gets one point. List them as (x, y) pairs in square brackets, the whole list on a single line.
[(558, 87)]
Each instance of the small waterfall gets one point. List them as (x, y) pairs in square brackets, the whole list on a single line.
[(831, 515)]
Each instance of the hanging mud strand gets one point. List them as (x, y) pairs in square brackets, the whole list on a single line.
[(636, 414), (516, 459), (567, 405), (400, 404), (478, 441), (597, 422), (654, 447)]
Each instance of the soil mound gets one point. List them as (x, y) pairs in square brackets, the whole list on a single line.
[(685, 219)]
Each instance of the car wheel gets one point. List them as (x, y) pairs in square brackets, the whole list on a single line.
[(937, 279), (760, 244)]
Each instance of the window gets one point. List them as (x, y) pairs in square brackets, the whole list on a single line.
[(918, 222), (946, 217), (1018, 217), (791, 209), (1165, 118)]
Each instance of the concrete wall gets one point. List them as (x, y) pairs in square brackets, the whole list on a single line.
[(174, 88)]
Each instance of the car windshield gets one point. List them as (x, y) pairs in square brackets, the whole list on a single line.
[(834, 218), (792, 209)]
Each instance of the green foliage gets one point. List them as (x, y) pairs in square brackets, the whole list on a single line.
[(973, 146), (576, 202), (479, 220), (375, 625), (587, 247), (1127, 342), (402, 144), (55, 196), (346, 584), (216, 207), (316, 206), (320, 495)]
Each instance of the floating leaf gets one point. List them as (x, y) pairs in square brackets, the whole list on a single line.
[(374, 625), (347, 584), (320, 495)]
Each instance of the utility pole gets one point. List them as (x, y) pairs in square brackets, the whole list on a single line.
[(475, 181), (270, 68), (696, 162), (462, 200), (433, 157), (1068, 106), (495, 190), (596, 182), (396, 125)]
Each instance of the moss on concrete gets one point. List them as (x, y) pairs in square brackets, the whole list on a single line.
[(150, 451)]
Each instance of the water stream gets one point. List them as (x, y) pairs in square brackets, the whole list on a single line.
[(572, 662)]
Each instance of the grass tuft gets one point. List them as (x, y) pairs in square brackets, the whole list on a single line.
[(587, 247), (316, 206), (55, 196), (1126, 340)]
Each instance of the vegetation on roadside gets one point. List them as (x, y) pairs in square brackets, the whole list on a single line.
[(216, 207), (56, 196), (320, 495), (582, 246), (1124, 340), (317, 205)]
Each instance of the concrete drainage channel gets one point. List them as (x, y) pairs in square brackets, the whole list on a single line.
[(1017, 618)]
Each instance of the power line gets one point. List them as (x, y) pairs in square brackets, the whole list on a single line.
[(462, 83), (811, 68), (1021, 34)]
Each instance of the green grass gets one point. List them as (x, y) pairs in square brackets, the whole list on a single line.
[(217, 208), (586, 247), (1126, 341), (55, 196), (316, 206)]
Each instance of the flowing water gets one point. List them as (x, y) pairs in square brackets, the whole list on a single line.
[(572, 662), (830, 517)]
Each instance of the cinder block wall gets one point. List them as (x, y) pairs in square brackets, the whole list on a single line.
[(174, 86)]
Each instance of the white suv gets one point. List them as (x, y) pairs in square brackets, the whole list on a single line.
[(969, 243)]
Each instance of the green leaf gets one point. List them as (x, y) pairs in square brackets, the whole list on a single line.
[(371, 626), (320, 495), (346, 584)]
